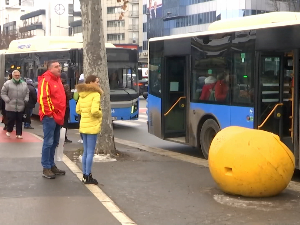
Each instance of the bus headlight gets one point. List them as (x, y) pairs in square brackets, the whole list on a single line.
[(135, 107)]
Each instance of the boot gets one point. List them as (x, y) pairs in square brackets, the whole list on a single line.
[(90, 180), (84, 177), (57, 171), (68, 141), (47, 173)]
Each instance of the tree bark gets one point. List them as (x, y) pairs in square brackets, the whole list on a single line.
[(95, 63)]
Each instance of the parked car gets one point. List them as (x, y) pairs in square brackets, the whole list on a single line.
[(145, 95), (143, 86)]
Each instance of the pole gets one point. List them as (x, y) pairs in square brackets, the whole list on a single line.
[(47, 18), (2, 15)]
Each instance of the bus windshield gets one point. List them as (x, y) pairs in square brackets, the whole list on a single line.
[(122, 76)]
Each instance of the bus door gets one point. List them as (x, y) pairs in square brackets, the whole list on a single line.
[(274, 112), (174, 97)]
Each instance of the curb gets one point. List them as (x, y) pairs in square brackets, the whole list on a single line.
[(163, 152)]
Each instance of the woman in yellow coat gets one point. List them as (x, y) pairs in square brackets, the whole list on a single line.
[(88, 106)]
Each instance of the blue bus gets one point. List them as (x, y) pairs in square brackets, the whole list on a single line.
[(31, 55), (243, 72)]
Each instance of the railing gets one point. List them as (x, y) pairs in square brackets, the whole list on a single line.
[(134, 1), (275, 107), (133, 13), (173, 106), (133, 40), (133, 27)]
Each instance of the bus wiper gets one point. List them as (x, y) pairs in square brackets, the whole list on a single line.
[(128, 93)]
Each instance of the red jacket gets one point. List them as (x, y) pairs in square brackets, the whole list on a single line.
[(221, 90), (52, 97), (206, 91)]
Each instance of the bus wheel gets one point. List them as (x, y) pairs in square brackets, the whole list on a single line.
[(208, 131)]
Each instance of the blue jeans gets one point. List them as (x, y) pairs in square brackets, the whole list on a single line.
[(89, 144), (51, 139)]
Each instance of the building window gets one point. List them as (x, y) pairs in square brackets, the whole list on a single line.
[(71, 19), (144, 9), (145, 45), (20, 2), (115, 37), (77, 30), (115, 23), (191, 2), (71, 9), (7, 2), (196, 19), (144, 27), (113, 10)]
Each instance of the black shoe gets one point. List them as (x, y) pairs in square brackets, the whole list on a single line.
[(90, 180), (47, 173), (57, 171), (5, 128), (30, 127), (68, 141)]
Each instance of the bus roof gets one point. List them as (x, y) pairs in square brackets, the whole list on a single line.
[(44, 44), (261, 19), (266, 20)]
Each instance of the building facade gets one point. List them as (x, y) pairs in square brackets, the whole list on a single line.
[(171, 17), (10, 12), (124, 33), (27, 18)]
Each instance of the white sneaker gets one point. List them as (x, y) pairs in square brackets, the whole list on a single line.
[(7, 134), (19, 137), (80, 141)]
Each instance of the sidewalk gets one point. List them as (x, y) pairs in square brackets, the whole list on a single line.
[(28, 198)]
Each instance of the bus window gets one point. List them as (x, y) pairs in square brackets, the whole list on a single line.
[(221, 89), (208, 82), (242, 80), (155, 69)]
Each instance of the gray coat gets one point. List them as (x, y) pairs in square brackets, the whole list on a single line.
[(15, 95)]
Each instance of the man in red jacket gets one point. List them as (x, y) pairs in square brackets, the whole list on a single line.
[(52, 100)]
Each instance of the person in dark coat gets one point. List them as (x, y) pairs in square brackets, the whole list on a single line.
[(69, 96), (3, 112), (30, 104)]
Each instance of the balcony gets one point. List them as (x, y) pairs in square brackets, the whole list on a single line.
[(133, 27), (133, 13), (32, 26), (133, 41)]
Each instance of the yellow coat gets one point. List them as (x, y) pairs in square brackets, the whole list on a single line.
[(88, 106)]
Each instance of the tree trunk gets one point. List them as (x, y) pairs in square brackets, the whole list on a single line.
[(95, 63), (275, 5)]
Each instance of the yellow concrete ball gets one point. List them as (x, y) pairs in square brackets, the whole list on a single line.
[(250, 163)]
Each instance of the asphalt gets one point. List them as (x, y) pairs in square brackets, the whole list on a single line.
[(28, 198), (149, 188), (153, 189)]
